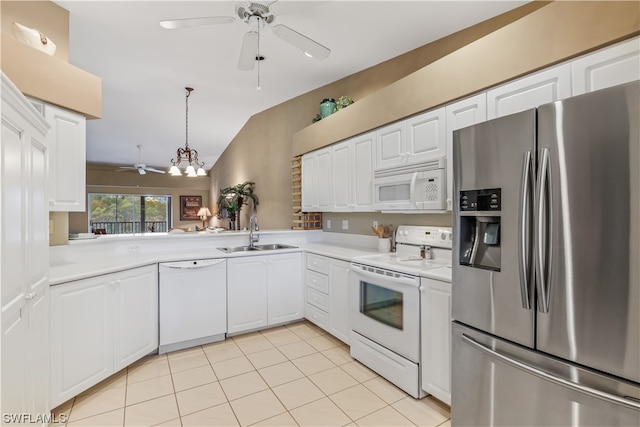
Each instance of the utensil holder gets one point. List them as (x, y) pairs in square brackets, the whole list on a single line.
[(384, 244)]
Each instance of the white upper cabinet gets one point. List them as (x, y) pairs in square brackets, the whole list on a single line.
[(426, 136), (390, 145), (67, 162), (362, 172), (67, 157), (536, 89), (352, 163), (309, 193), (608, 67), (341, 163), (316, 181), (466, 112), (324, 179), (414, 140)]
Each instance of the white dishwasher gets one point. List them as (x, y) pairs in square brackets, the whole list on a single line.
[(193, 303)]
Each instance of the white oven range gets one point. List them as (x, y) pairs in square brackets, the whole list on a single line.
[(384, 301)]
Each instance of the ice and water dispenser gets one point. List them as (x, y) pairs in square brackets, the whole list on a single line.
[(480, 217)]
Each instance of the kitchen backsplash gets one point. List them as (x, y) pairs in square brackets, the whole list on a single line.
[(361, 222)]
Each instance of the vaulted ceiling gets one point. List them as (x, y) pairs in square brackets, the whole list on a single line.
[(145, 68)]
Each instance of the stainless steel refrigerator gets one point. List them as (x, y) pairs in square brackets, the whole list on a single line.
[(546, 268)]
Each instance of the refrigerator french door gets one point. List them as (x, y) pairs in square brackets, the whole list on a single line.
[(546, 271)]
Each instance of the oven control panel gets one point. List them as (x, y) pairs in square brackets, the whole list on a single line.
[(424, 235)]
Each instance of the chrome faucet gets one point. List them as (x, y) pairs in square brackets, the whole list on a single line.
[(253, 226)]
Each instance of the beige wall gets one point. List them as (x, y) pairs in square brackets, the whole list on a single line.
[(36, 74), (104, 179), (530, 38), (45, 16)]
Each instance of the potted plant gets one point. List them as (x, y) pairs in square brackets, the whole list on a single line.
[(231, 200)]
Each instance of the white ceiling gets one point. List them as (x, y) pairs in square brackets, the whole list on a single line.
[(145, 68)]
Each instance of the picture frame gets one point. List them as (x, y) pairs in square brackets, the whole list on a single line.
[(189, 206)]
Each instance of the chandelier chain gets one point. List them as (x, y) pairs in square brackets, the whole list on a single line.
[(186, 100)]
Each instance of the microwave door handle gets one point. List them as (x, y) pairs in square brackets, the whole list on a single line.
[(412, 188)]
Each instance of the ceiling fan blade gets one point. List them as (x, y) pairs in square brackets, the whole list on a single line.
[(148, 169), (174, 24), (248, 52), (302, 42)]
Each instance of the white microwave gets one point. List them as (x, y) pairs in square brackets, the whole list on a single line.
[(420, 187)]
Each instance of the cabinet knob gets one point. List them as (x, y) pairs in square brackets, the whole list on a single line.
[(30, 296), (422, 288)]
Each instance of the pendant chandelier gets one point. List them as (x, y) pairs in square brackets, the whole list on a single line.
[(187, 155)]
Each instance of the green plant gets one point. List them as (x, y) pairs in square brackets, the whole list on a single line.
[(343, 101), (231, 200)]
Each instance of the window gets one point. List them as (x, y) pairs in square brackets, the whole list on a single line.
[(129, 213)]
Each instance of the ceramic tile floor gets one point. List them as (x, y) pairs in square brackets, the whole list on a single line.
[(285, 376)]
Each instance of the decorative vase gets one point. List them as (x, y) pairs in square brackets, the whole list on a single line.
[(327, 107)]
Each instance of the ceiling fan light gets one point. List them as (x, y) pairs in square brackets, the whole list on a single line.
[(308, 54), (175, 171), (191, 171), (201, 172)]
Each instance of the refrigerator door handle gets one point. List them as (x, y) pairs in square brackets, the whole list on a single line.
[(599, 394), (544, 231), (524, 235)]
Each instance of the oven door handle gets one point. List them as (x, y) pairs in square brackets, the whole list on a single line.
[(399, 280)]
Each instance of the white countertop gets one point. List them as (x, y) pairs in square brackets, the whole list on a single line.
[(93, 257), (443, 274), (343, 252), (103, 255)]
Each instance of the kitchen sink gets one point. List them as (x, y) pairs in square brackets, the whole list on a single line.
[(274, 246), (270, 247), (239, 249)]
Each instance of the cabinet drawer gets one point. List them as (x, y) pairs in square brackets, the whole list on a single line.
[(318, 299), (316, 316), (319, 282), (318, 263)]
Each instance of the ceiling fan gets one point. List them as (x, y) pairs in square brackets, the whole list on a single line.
[(257, 14), (140, 167)]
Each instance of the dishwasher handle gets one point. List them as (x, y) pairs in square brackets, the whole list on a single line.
[(192, 265)]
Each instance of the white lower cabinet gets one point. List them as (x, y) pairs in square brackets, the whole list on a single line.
[(326, 295), (339, 296), (263, 290), (436, 338), (100, 325)]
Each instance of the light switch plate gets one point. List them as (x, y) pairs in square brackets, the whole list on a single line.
[(328, 223), (345, 224)]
